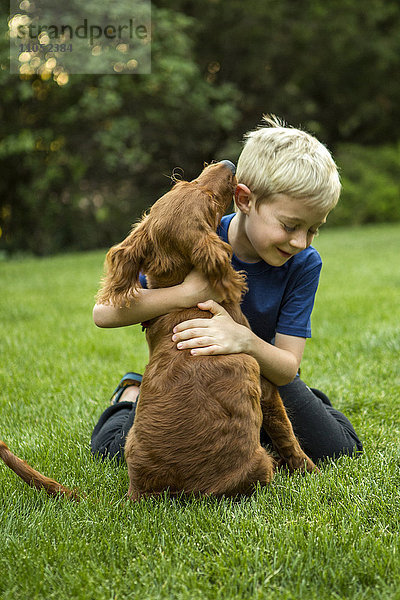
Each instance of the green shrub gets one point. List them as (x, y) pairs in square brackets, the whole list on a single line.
[(371, 185)]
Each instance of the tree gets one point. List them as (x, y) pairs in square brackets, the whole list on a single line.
[(83, 155), (81, 161)]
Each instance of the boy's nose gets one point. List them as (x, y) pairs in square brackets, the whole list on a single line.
[(230, 165), (299, 240)]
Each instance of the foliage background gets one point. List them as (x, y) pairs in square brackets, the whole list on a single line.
[(81, 161)]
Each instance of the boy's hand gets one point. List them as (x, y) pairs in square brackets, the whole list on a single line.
[(218, 335), (196, 288)]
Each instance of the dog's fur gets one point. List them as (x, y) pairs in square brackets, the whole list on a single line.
[(197, 424)]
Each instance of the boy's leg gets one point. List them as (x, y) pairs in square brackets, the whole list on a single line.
[(109, 435), (323, 431)]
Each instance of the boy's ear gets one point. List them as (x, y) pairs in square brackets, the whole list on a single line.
[(242, 197)]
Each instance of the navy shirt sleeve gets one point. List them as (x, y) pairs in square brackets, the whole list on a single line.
[(294, 317)]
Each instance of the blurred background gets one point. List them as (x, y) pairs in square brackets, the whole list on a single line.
[(82, 156)]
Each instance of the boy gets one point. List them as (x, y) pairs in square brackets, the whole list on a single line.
[(287, 185)]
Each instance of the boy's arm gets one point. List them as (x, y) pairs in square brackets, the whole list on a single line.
[(279, 363), (150, 303), (146, 305)]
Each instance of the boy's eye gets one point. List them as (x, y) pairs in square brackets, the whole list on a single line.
[(288, 228)]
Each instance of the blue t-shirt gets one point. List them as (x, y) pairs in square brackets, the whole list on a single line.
[(279, 299)]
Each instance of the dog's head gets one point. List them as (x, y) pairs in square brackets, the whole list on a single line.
[(218, 180), (161, 245)]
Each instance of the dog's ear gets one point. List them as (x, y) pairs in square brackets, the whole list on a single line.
[(123, 264), (212, 257)]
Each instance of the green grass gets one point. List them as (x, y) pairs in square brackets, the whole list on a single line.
[(335, 535)]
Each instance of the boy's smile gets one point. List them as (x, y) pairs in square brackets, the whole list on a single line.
[(275, 232)]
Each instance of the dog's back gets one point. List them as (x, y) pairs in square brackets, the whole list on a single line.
[(198, 421)]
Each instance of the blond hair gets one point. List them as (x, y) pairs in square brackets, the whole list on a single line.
[(277, 159)]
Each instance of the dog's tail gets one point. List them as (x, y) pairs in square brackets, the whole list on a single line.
[(34, 478)]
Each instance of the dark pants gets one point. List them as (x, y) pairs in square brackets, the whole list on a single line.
[(323, 431)]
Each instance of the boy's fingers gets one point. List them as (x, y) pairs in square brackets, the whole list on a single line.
[(200, 342), (210, 305), (213, 307), (189, 334), (191, 324), (207, 351)]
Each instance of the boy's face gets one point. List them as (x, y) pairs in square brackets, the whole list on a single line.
[(278, 229)]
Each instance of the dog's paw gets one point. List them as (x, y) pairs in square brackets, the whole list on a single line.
[(299, 462)]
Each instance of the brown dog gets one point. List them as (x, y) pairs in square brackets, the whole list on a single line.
[(197, 424)]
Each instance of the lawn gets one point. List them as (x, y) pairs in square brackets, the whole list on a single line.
[(332, 535)]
